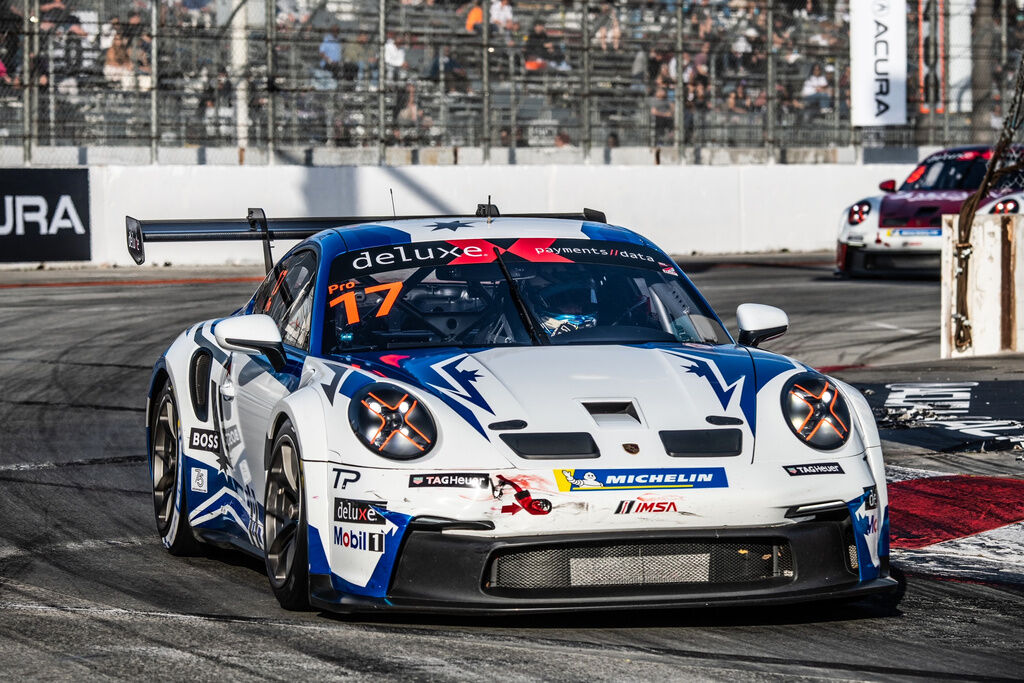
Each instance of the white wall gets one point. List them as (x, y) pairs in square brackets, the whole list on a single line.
[(684, 209)]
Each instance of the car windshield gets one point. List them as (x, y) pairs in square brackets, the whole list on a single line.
[(546, 291), (949, 171)]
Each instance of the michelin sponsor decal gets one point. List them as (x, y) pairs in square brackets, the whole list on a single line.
[(816, 468), (612, 480)]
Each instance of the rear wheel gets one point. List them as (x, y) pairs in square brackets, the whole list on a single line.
[(165, 465), (285, 523)]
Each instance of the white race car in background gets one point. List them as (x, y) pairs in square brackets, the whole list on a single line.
[(518, 413), (901, 230)]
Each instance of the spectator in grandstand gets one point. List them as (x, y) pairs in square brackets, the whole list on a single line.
[(107, 33), (6, 82), (662, 114), (455, 77), (139, 53), (607, 26), (330, 51), (474, 12), (360, 59), (540, 52), (10, 36), (816, 92), (638, 71), (503, 18), (117, 65), (407, 113), (394, 58), (562, 138)]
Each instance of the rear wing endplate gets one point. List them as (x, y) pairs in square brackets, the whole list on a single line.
[(257, 227)]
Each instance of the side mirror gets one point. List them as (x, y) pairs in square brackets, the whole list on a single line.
[(252, 334), (759, 323), (887, 186)]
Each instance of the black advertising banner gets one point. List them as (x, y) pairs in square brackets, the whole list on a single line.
[(44, 215)]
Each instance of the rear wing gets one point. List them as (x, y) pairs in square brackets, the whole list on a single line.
[(257, 227)]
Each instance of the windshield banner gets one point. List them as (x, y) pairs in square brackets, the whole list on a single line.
[(478, 251)]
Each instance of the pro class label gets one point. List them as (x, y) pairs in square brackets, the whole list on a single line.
[(205, 440)]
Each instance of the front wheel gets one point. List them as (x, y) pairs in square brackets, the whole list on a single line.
[(165, 465), (285, 523)]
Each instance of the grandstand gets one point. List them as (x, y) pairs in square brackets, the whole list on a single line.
[(345, 81)]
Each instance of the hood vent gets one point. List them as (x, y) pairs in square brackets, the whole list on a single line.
[(698, 443), (613, 413), (552, 446)]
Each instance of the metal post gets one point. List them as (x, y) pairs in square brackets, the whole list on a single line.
[(154, 73), (51, 89), (944, 61), (1003, 57), (26, 109), (836, 100), (933, 31), (382, 76), (486, 130), (239, 62), (513, 113), (680, 99), (586, 80), (271, 37), (771, 91)]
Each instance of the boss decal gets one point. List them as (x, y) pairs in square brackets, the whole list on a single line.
[(358, 511), (816, 468), (205, 440), (464, 480)]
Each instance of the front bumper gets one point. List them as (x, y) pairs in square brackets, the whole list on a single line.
[(860, 260), (457, 573)]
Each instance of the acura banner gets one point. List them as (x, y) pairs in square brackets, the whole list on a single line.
[(878, 62), (44, 215)]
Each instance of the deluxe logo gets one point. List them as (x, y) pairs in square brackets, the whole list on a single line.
[(205, 440), (463, 480), (631, 507), (359, 540), (413, 254), (816, 468), (611, 480), (358, 511)]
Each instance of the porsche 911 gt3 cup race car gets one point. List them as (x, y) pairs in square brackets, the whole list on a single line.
[(901, 230), (494, 413)]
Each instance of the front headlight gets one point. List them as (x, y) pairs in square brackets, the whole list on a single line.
[(392, 422), (816, 411)]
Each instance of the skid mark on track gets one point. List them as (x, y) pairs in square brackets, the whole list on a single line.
[(8, 552), (477, 639), (84, 462), (76, 363), (80, 406)]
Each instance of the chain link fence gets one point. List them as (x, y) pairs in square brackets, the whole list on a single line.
[(223, 81)]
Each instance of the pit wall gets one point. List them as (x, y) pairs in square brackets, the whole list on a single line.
[(684, 209)]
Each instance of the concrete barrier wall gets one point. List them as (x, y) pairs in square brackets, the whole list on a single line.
[(685, 209)]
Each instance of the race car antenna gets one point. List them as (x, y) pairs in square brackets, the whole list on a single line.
[(393, 211)]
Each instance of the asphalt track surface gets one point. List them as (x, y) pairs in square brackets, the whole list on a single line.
[(87, 591)]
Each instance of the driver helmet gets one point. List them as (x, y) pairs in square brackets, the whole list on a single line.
[(567, 306)]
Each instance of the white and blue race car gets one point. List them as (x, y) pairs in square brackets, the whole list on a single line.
[(506, 413)]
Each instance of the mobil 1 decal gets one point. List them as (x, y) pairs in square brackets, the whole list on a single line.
[(480, 251), (44, 215)]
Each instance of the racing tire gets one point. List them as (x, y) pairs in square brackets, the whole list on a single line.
[(284, 527), (167, 476)]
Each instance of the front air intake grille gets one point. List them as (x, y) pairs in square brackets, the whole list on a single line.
[(657, 563)]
